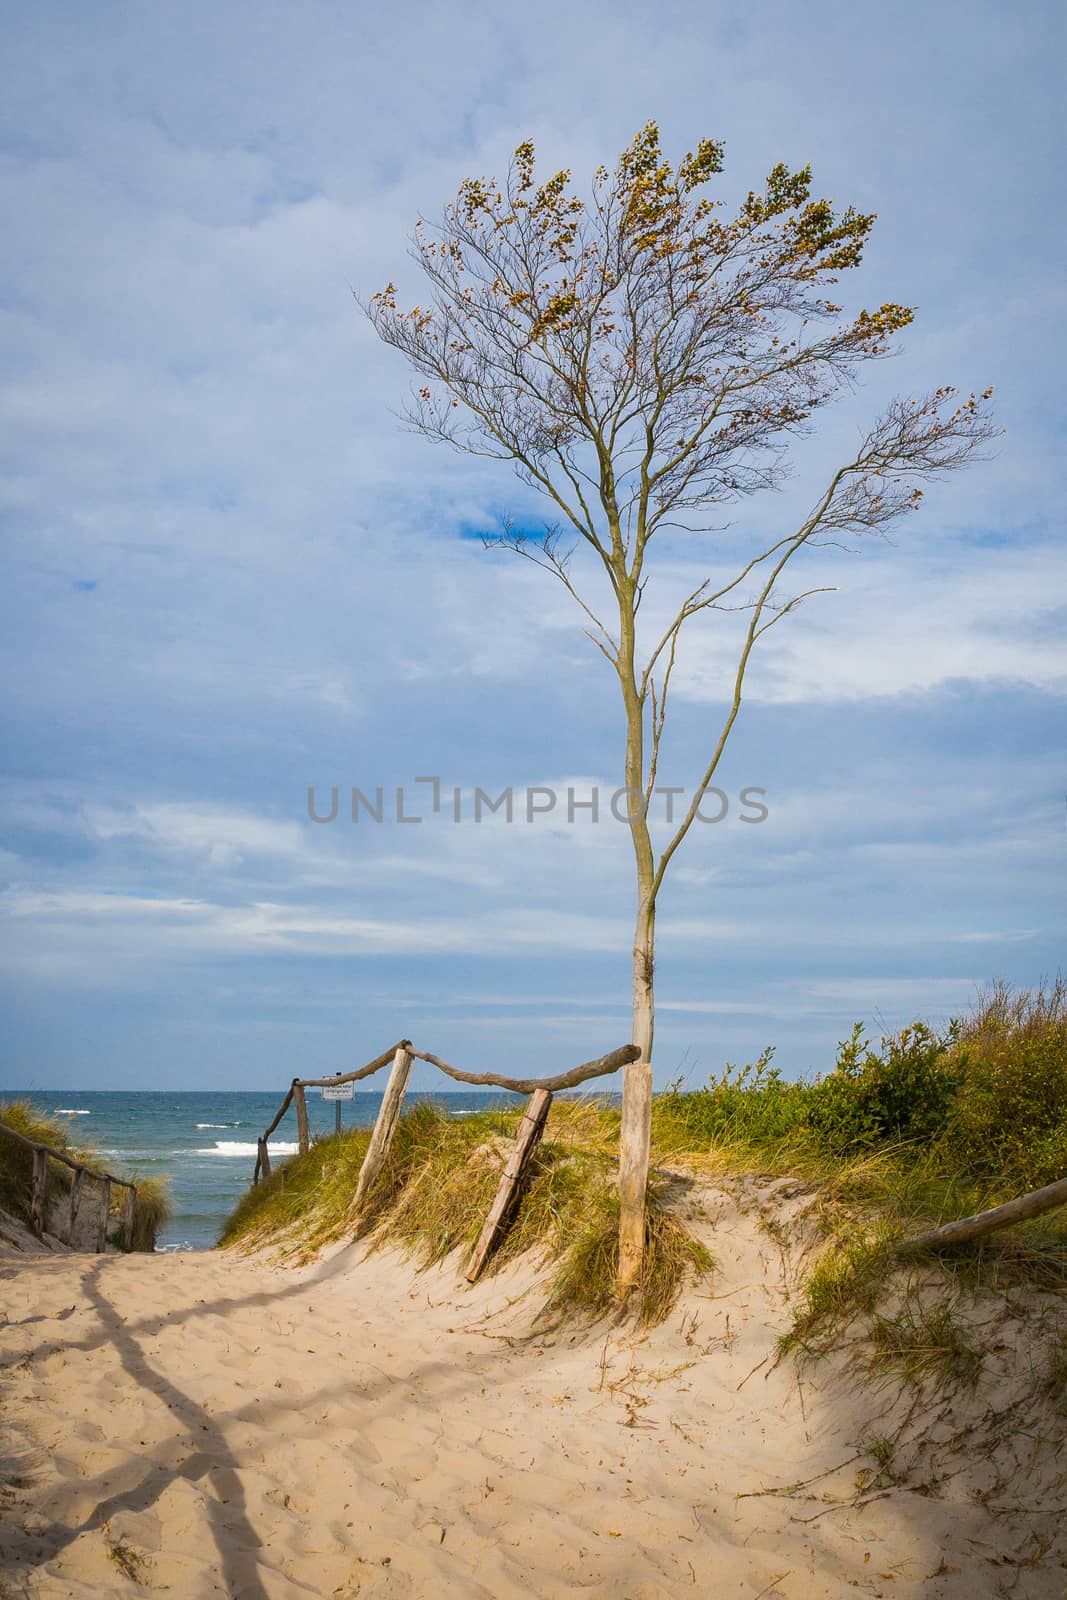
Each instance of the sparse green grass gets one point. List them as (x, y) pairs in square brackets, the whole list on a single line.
[(925, 1341), (1053, 1374), (16, 1167), (129, 1562)]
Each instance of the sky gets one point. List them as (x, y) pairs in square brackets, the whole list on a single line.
[(231, 574)]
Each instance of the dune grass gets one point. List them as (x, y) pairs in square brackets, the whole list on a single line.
[(152, 1205), (438, 1182), (920, 1130)]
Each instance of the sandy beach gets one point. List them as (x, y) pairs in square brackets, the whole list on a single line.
[(211, 1424)]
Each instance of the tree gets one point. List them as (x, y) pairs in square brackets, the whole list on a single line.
[(642, 358)]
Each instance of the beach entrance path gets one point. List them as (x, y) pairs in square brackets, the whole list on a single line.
[(214, 1425)]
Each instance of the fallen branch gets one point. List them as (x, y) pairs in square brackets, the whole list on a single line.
[(1033, 1204)]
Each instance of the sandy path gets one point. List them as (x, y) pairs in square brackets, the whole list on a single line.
[(353, 1429)]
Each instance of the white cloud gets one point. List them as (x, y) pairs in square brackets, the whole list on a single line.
[(197, 421)]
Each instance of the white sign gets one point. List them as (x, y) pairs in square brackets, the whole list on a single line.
[(338, 1091)]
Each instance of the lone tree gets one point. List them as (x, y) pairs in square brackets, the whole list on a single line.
[(643, 358)]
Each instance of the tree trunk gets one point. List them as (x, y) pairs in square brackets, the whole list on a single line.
[(634, 1144), (644, 994), (635, 1135)]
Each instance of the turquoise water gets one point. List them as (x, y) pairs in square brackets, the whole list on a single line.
[(206, 1143)]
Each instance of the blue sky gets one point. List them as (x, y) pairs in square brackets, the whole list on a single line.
[(229, 573)]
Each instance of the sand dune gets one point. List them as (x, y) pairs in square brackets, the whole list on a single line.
[(212, 1425)]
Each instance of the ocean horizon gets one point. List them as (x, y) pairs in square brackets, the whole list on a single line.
[(204, 1141)]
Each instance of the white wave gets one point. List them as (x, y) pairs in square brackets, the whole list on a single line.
[(70, 1111), (230, 1147), (218, 1124)]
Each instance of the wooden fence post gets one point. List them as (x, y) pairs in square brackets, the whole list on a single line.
[(527, 1139), (302, 1135), (635, 1140), (40, 1175), (74, 1201), (128, 1210), (264, 1159), (385, 1127), (105, 1214)]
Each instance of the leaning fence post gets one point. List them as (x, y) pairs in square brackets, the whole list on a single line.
[(527, 1138), (264, 1159), (385, 1127), (40, 1174), (300, 1098), (105, 1214), (635, 1140)]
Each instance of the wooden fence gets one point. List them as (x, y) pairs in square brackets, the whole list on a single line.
[(633, 1145), (41, 1155)]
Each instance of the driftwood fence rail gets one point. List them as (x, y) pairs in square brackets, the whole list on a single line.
[(633, 1145), (42, 1154)]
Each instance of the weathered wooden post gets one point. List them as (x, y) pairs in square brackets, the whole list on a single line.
[(528, 1137), (105, 1214), (300, 1099), (635, 1141), (264, 1159), (74, 1201), (128, 1210), (385, 1127), (40, 1175)]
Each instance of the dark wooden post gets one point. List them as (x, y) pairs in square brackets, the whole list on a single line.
[(105, 1214), (40, 1175), (527, 1139), (385, 1127), (302, 1134), (127, 1216), (74, 1201), (264, 1159)]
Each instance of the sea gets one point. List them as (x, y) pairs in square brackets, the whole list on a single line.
[(204, 1143)]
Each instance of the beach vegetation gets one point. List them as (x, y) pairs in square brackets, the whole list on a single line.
[(151, 1207), (924, 1127)]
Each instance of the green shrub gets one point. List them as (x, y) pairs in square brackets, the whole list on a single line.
[(1010, 1119), (902, 1092), (750, 1105)]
